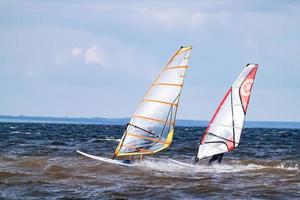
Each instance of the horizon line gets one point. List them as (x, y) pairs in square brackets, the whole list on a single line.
[(76, 117)]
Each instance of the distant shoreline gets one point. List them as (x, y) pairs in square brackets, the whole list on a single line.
[(122, 121)]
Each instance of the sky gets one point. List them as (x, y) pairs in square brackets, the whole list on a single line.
[(98, 58)]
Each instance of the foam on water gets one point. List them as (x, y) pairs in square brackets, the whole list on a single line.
[(105, 139), (168, 166), (15, 132), (288, 167), (110, 139)]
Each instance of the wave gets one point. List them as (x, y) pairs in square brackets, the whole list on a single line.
[(288, 166), (5, 174), (15, 132), (58, 172)]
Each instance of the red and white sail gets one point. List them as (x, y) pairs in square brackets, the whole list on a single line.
[(224, 130)]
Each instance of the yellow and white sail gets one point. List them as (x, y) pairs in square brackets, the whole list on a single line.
[(151, 128)]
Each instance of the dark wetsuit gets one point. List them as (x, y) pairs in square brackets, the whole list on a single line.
[(216, 157), (127, 162)]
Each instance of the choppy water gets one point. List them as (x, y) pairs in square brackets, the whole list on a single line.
[(38, 161)]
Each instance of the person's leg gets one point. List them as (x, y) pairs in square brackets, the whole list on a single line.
[(220, 156), (213, 158), (142, 157)]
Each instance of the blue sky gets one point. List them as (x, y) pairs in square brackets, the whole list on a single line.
[(98, 58)]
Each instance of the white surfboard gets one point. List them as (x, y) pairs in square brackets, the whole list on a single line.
[(106, 160), (181, 163)]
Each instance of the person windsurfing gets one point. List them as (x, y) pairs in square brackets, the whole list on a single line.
[(214, 158), (224, 130)]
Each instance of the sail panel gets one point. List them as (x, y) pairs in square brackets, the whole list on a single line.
[(149, 110), (151, 127), (209, 149), (181, 58), (224, 115), (223, 106), (172, 75), (224, 130), (163, 93)]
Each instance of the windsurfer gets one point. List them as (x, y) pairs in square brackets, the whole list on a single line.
[(215, 157), (129, 161)]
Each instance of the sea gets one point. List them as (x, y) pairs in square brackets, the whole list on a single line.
[(39, 161)]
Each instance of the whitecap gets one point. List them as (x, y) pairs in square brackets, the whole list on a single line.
[(15, 132), (167, 166)]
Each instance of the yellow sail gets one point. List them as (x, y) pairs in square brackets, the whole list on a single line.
[(151, 128)]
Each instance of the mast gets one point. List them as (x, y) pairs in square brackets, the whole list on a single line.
[(151, 127)]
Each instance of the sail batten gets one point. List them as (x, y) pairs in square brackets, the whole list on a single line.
[(240, 104), (151, 127), (215, 124), (176, 67), (221, 138), (162, 102), (151, 119), (168, 84), (147, 138), (224, 130)]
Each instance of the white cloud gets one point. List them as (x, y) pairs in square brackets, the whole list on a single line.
[(111, 54), (95, 54), (76, 51)]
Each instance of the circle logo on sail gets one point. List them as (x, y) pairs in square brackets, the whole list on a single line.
[(246, 87)]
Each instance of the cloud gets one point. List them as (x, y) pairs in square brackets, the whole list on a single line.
[(76, 51), (94, 54), (110, 54)]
